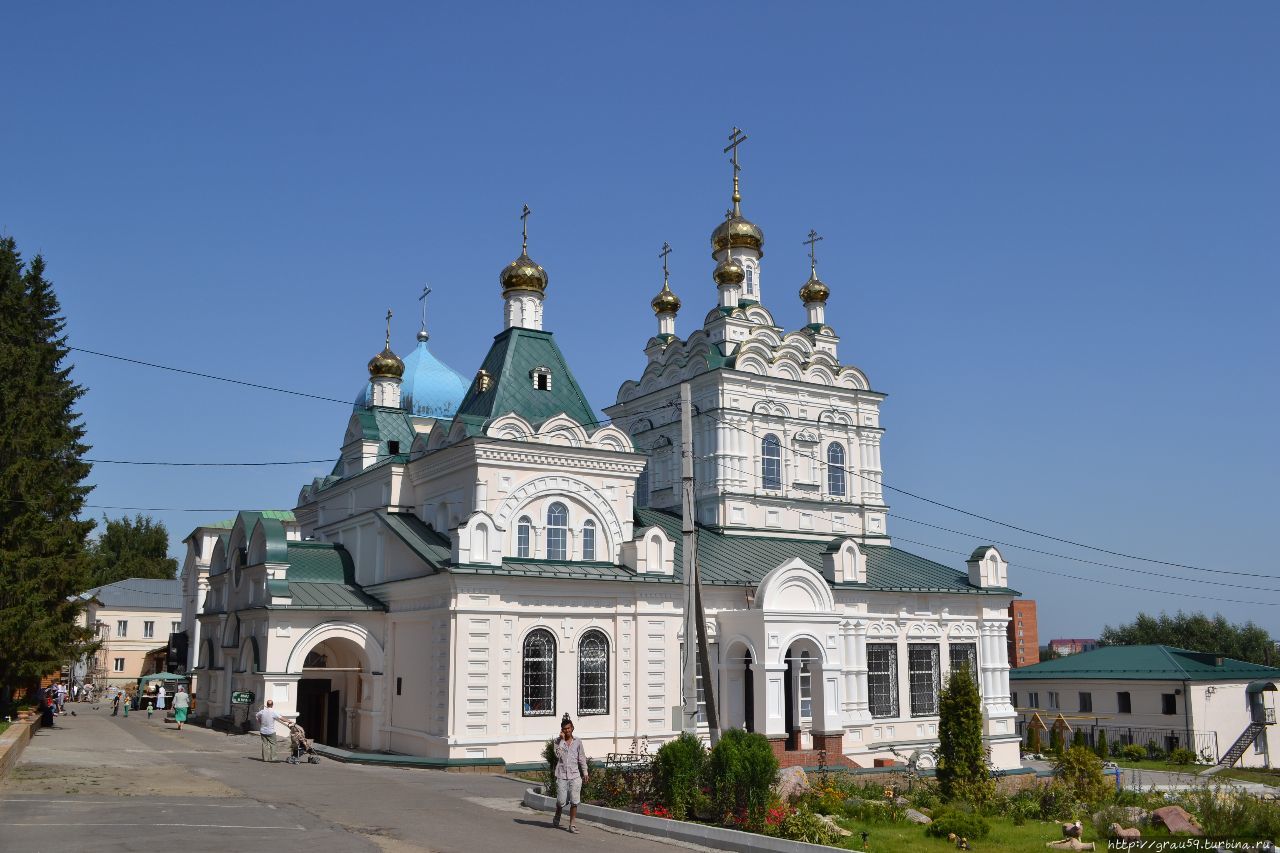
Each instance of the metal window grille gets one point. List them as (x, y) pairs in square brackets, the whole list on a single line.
[(593, 674), (835, 469), (922, 669), (523, 537), (557, 532), (882, 679), (539, 674), (589, 540), (964, 654), (806, 686), (771, 462)]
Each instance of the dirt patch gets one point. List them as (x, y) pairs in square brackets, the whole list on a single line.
[(162, 780)]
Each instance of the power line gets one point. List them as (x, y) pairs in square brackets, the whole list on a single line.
[(206, 464)]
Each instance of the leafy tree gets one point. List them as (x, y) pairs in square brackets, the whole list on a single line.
[(42, 473), (1195, 632), (132, 548), (1047, 653), (1081, 772), (962, 758)]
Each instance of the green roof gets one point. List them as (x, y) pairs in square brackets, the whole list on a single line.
[(1145, 663), (510, 363), (745, 560), (321, 562), (558, 569), (434, 548), (328, 596), (321, 576)]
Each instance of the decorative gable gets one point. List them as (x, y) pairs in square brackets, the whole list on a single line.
[(987, 568)]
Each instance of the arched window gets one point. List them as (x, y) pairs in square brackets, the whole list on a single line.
[(771, 462), (524, 537), (557, 532), (751, 279), (593, 674), (588, 540), (835, 468), (539, 680)]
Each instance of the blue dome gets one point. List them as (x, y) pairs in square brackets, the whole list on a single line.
[(429, 388)]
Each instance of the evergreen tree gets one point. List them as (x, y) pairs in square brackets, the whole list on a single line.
[(1195, 632), (132, 548), (42, 475), (1055, 740), (1033, 739), (1079, 740), (962, 758), (1101, 746)]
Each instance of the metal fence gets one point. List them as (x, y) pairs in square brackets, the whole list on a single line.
[(1204, 744)]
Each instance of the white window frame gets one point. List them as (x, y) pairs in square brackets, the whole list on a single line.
[(117, 665), (148, 629), (122, 627)]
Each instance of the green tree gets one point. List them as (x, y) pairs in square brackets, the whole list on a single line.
[(1101, 746), (1079, 739), (42, 473), (962, 771), (1195, 632), (1055, 740), (1081, 772), (1033, 739), (135, 547)]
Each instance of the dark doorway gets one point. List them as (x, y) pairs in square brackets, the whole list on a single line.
[(789, 706), (313, 710), (749, 700), (331, 720)]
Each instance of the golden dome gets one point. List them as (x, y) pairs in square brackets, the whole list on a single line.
[(814, 290), (386, 364), (665, 301), (729, 271), (738, 233), (524, 274)]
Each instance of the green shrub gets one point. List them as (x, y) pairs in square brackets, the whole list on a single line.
[(871, 811), (741, 771), (965, 823), (804, 825), (1079, 739), (1154, 752), (1232, 812), (962, 759), (677, 773), (1080, 772), (1055, 740), (549, 756), (1101, 746), (1181, 755), (1133, 752)]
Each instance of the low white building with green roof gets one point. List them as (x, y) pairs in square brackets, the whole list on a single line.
[(1220, 708), (469, 572)]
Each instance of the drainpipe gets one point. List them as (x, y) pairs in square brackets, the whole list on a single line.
[(1186, 713)]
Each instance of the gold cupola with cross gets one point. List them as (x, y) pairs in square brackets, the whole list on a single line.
[(385, 372), (737, 243), (524, 284), (666, 304), (814, 293)]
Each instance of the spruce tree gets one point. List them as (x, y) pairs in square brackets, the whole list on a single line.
[(1101, 746), (962, 758), (42, 473)]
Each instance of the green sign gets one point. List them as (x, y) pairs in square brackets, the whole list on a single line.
[(242, 697)]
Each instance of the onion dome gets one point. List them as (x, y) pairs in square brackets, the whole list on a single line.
[(524, 274), (729, 271), (386, 365), (814, 290), (737, 232), (666, 301)]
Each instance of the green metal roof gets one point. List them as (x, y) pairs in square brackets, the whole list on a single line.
[(1144, 663), (320, 562), (321, 576), (434, 548), (558, 569), (510, 362), (327, 596), (745, 560)]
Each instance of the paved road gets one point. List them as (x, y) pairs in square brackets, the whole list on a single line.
[(103, 784)]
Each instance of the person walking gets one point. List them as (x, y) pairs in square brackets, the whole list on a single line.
[(181, 704), (160, 694), (571, 772), (267, 728), (115, 705)]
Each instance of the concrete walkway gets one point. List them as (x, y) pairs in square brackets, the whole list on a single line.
[(103, 784)]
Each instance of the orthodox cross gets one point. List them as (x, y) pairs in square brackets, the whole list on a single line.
[(812, 244), (735, 139), (666, 250), (388, 328), (524, 229), (423, 299)]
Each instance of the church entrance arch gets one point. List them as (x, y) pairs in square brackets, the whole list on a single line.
[(738, 687), (803, 701), (336, 668)]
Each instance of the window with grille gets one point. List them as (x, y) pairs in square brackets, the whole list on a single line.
[(771, 462), (593, 674), (835, 469), (882, 679), (805, 680), (588, 540), (557, 532), (524, 537), (539, 674), (964, 654), (922, 670)]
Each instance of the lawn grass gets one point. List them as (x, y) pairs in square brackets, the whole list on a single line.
[(1163, 766), (3, 726), (1005, 837), (1244, 774)]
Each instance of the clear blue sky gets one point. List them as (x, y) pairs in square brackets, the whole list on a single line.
[(1051, 237)]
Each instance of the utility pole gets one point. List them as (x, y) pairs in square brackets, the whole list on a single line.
[(695, 623)]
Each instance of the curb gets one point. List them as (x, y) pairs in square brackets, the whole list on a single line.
[(677, 830), (14, 741)]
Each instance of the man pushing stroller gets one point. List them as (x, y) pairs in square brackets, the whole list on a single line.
[(299, 744)]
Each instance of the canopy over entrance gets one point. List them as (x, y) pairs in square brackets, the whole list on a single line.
[(173, 676), (1259, 686)]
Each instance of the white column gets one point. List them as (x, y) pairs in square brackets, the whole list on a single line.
[(847, 673), (775, 724), (861, 705)]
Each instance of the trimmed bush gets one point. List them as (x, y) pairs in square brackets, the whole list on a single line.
[(1133, 752), (741, 771), (549, 756), (1181, 755), (959, 820), (677, 773)]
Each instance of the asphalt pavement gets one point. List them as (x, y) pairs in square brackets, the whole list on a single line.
[(105, 784)]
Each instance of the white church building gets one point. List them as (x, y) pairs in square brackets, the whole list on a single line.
[(487, 555)]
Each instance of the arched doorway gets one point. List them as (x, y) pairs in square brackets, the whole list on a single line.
[(335, 684), (802, 695), (738, 688)]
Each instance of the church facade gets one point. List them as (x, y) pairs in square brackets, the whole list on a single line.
[(487, 555)]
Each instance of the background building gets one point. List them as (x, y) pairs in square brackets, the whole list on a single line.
[(1024, 635), (132, 616), (1072, 646)]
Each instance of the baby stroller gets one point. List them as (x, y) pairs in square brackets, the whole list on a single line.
[(300, 745)]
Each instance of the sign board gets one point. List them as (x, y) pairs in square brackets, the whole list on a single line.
[(242, 697)]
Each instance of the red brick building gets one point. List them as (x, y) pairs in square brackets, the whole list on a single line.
[(1024, 638)]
